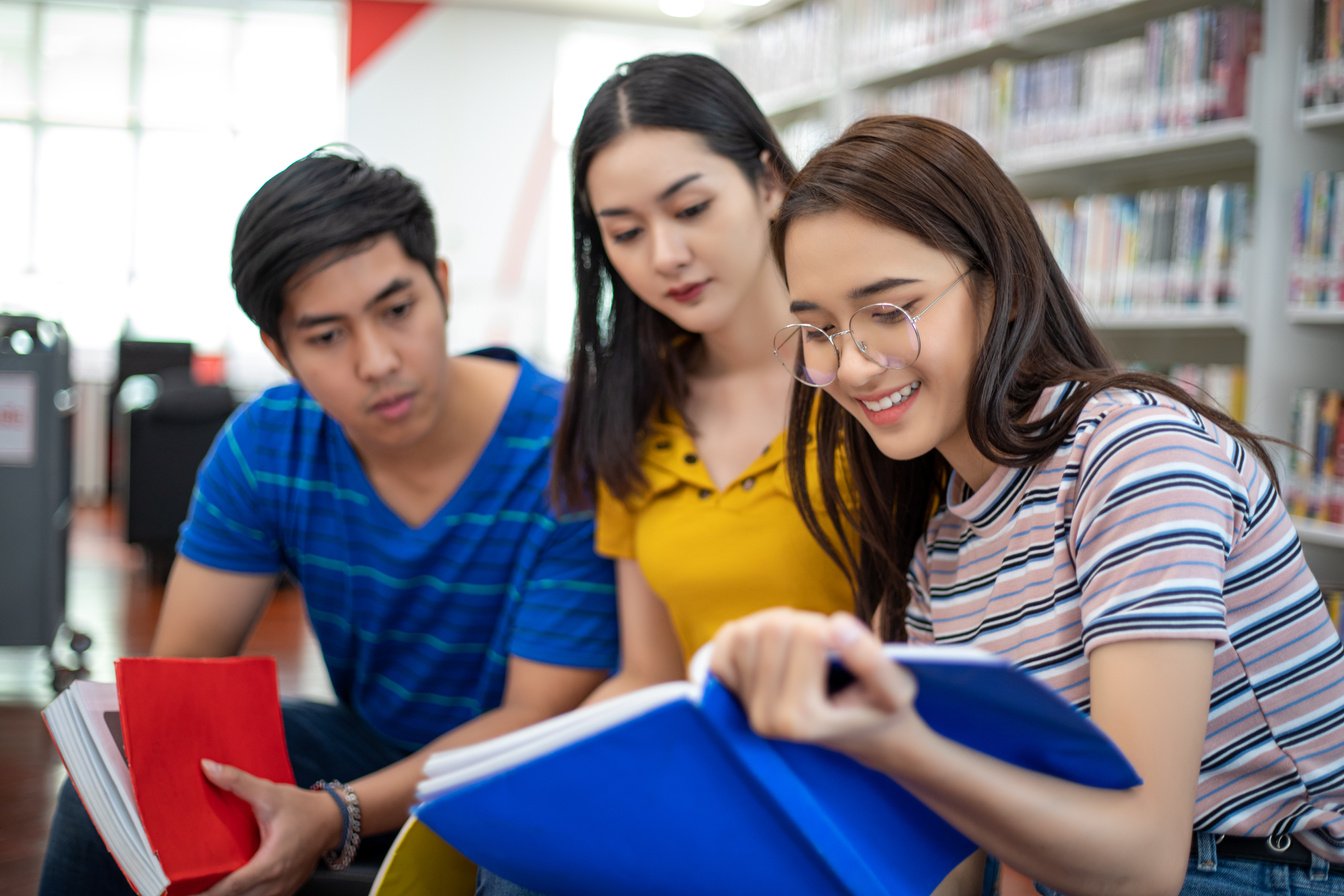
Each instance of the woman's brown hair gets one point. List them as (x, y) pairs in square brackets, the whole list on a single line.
[(928, 179)]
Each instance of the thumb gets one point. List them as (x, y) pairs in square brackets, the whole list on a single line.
[(234, 780), (886, 683)]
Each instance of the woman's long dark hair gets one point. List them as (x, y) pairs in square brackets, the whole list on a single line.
[(932, 181), (628, 360)]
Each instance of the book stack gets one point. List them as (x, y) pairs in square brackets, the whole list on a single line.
[(879, 32), (1323, 75), (1315, 487), (1316, 271), (1175, 250), (1188, 69), (791, 51)]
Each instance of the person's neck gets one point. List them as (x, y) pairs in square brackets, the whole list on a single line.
[(966, 460), (744, 343)]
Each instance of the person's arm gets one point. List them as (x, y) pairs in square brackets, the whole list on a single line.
[(650, 648), (1150, 696), (209, 612), (299, 825)]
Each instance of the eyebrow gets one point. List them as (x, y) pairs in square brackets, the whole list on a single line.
[(393, 287), (666, 194), (857, 294)]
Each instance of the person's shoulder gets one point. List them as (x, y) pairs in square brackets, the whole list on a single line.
[(279, 413), (1130, 426), (536, 397), (1113, 410)]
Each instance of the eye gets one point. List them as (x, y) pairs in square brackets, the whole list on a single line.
[(626, 236), (815, 334), (694, 210), (889, 314), (323, 338), (401, 309)]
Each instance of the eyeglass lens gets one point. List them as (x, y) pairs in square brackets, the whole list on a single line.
[(884, 333)]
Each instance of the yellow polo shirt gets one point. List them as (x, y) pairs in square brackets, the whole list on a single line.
[(713, 556)]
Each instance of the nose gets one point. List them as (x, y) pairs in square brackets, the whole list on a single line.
[(375, 355), (670, 250), (855, 368)]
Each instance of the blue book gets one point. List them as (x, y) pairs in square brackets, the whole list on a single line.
[(666, 790)]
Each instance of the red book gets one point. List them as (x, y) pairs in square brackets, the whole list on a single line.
[(171, 830)]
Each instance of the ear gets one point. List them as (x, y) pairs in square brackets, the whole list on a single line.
[(772, 190), (441, 277), (278, 353)]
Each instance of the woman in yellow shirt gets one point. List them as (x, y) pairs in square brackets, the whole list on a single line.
[(676, 408)]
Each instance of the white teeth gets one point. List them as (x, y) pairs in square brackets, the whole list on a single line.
[(893, 399)]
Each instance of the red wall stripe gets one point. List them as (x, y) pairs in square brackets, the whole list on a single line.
[(375, 22)]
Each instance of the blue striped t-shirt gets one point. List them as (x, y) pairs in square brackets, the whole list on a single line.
[(415, 623)]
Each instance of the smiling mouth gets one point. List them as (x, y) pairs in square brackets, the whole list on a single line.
[(895, 398)]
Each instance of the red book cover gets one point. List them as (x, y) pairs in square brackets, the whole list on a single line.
[(176, 712)]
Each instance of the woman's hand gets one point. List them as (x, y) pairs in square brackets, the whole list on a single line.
[(297, 826), (776, 662)]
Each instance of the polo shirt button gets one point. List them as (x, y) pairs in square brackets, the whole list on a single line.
[(705, 493), (748, 483), (690, 458)]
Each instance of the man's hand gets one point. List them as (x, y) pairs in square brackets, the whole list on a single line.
[(297, 826)]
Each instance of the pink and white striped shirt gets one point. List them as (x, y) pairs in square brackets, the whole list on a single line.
[(1151, 522)]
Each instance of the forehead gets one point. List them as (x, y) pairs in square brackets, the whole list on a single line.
[(643, 162), (347, 274), (828, 254)]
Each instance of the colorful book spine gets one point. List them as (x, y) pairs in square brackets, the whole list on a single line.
[(1169, 250), (1316, 269), (1316, 485), (1323, 76)]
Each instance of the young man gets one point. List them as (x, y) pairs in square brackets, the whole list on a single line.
[(405, 490)]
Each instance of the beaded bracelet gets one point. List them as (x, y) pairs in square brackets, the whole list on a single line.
[(348, 802)]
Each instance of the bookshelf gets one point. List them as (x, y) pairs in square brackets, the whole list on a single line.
[(948, 59)]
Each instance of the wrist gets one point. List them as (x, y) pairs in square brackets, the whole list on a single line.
[(342, 846)]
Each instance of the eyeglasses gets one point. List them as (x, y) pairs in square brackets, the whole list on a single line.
[(885, 333)]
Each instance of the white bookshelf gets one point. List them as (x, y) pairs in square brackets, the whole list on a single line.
[(1281, 349), (1316, 532)]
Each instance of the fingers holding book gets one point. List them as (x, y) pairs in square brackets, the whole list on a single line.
[(819, 679), (296, 826)]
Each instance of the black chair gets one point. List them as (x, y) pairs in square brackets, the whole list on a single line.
[(166, 423), (137, 357)]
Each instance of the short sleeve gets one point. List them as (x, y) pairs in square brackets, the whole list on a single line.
[(566, 611), (615, 525), (227, 526), (1159, 505)]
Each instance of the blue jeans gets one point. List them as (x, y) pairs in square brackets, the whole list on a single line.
[(1208, 875), (490, 884), (324, 741)]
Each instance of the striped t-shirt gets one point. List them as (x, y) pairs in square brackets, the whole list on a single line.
[(415, 623), (1151, 522)]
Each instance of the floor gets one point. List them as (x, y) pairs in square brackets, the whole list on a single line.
[(111, 599)]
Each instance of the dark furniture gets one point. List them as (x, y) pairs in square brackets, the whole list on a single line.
[(165, 423)]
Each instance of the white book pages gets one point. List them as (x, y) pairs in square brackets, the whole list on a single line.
[(451, 768), (94, 761)]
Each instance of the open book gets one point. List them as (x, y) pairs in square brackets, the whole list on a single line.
[(666, 790), (133, 751)]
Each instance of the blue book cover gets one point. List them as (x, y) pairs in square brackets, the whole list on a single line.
[(667, 790)]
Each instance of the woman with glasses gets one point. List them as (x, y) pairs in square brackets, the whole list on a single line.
[(1101, 529), (676, 409)]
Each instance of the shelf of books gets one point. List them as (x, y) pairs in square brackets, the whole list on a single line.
[(1330, 535), (1181, 157)]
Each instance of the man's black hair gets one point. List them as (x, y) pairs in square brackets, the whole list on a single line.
[(328, 200)]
